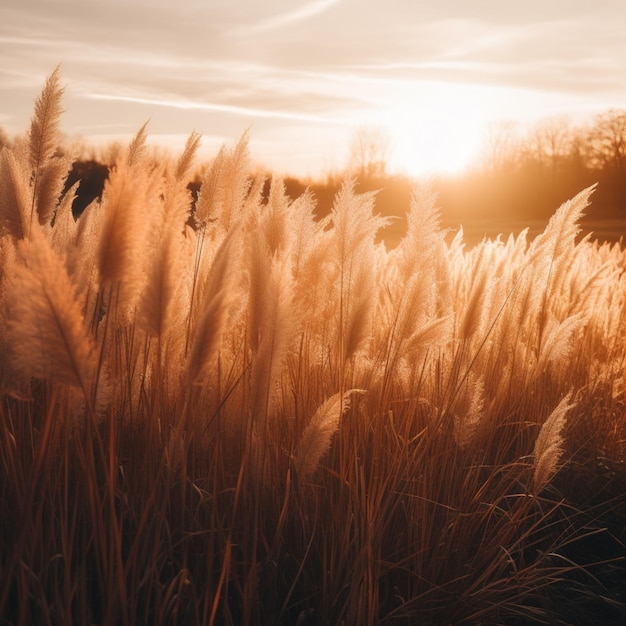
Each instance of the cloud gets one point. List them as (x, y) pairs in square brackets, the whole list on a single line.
[(326, 65), (221, 108), (285, 19)]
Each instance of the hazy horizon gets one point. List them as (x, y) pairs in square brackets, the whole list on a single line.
[(303, 77)]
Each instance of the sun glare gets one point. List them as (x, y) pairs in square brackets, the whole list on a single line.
[(434, 146), (426, 140), (436, 127)]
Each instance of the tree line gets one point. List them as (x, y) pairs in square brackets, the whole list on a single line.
[(519, 176), (530, 175)]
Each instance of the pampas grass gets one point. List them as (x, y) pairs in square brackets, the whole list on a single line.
[(47, 174), (237, 413), (45, 329), (549, 444), (317, 435), (14, 217)]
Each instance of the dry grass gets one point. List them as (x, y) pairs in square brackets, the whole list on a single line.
[(242, 415)]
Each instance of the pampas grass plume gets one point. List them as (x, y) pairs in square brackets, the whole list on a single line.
[(44, 126), (225, 187), (317, 436), (275, 327), (50, 187), (358, 323), (46, 335), (549, 444), (43, 139), (186, 159), (14, 196), (214, 309), (137, 146)]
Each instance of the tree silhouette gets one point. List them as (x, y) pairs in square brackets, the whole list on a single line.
[(501, 146), (550, 144), (369, 153), (608, 153), (608, 137)]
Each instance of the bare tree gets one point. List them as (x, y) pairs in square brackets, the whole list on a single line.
[(608, 138), (550, 142), (369, 152), (608, 151), (501, 145)]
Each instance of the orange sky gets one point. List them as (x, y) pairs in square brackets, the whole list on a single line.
[(303, 75)]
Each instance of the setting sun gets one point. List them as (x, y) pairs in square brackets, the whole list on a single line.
[(425, 139)]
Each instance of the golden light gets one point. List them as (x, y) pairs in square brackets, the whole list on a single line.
[(439, 130), (428, 141)]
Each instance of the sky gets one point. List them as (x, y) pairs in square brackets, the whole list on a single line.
[(303, 76)]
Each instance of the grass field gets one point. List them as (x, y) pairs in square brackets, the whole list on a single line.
[(244, 415)]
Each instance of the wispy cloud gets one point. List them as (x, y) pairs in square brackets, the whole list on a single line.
[(251, 112), (305, 72), (305, 12)]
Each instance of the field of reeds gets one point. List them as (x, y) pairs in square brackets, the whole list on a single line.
[(236, 413)]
